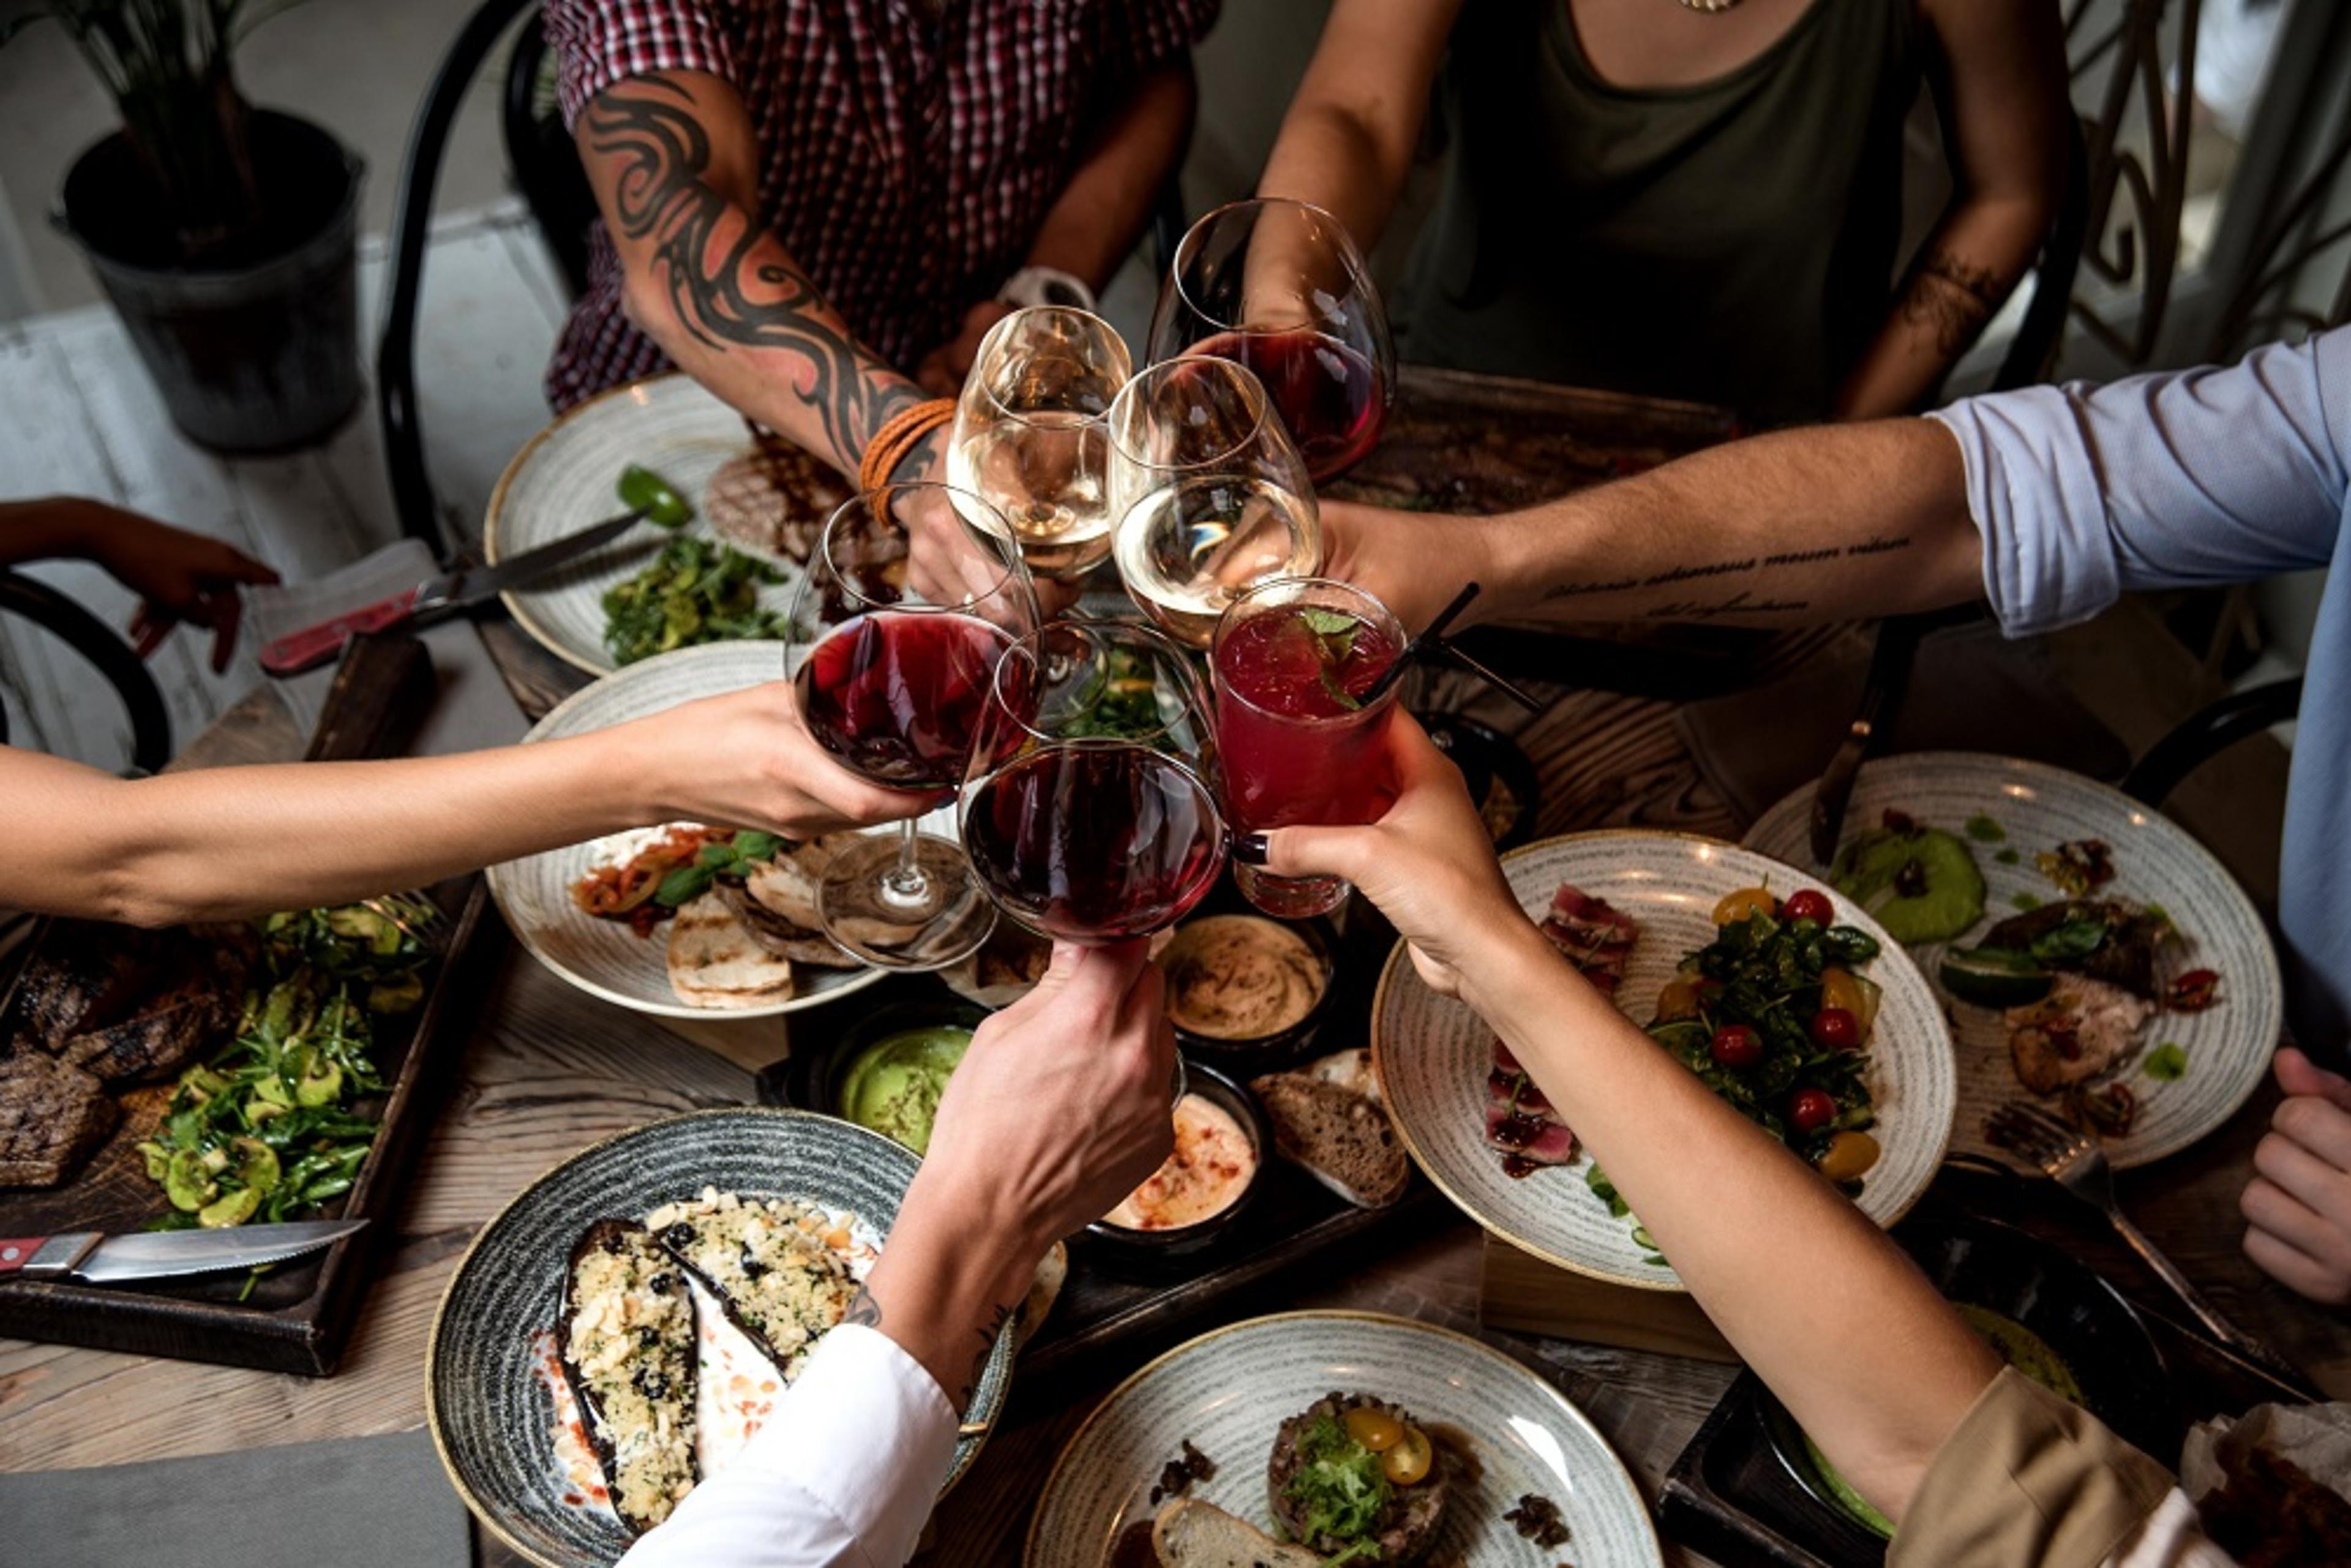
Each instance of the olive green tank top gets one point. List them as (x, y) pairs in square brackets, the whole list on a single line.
[(1730, 242)]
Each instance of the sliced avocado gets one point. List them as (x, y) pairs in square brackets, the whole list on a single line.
[(1994, 976), (1922, 885)]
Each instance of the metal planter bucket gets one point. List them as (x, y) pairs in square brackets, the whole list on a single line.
[(251, 357)]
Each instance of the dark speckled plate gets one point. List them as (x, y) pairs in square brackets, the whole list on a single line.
[(491, 1419)]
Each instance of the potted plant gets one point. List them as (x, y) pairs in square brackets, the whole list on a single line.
[(223, 235)]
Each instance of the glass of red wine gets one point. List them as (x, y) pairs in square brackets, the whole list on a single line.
[(1279, 287), (1090, 812), (895, 655)]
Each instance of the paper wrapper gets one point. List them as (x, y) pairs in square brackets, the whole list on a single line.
[(2316, 1438)]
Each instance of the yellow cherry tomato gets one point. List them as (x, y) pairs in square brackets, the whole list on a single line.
[(1677, 1000), (1848, 1156), (1374, 1429), (1408, 1463), (1737, 906)]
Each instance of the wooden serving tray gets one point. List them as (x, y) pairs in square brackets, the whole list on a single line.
[(295, 1318)]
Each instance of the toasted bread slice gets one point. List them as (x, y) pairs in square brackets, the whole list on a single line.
[(1349, 1070), (1343, 1139), (1191, 1534), (715, 961)]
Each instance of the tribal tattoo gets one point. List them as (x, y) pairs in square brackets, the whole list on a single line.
[(718, 291), (1952, 298)]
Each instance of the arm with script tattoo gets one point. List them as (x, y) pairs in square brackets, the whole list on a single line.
[(674, 165), (1998, 71)]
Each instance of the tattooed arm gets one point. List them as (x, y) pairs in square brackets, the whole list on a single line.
[(1800, 525), (674, 165), (1998, 71)]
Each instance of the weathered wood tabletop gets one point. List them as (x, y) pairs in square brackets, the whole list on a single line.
[(549, 1069)]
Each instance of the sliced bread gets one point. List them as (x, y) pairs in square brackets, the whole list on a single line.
[(1191, 1534), (1341, 1138)]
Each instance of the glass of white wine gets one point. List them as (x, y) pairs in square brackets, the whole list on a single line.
[(1031, 435), (1210, 493)]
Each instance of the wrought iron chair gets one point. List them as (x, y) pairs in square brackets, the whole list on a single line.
[(92, 639)]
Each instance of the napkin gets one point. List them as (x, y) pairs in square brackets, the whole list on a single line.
[(1970, 690), (473, 708), (383, 1502)]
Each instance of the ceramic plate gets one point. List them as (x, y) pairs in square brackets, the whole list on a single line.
[(1229, 1391), (1432, 1053), (492, 1417), (2037, 808), (605, 957), (562, 482)]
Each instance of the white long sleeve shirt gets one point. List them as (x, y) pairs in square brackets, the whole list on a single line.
[(844, 1471)]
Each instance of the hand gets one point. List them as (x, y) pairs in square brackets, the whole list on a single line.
[(1413, 562), (1428, 864), (178, 575), (746, 759), (942, 370), (1059, 1107), (2299, 1202)]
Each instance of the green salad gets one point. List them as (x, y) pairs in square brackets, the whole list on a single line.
[(696, 590)]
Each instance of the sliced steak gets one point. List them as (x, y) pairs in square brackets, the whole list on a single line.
[(190, 1010), (778, 935), (86, 973), (1592, 934), (52, 1116)]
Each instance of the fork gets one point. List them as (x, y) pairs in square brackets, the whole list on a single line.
[(2076, 1160)]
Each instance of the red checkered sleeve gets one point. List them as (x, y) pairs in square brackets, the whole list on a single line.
[(600, 42), (1140, 36)]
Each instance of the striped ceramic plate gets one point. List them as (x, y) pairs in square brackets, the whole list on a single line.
[(1433, 1053), (562, 480), (605, 957), (1229, 1391), (491, 1413), (2036, 808)]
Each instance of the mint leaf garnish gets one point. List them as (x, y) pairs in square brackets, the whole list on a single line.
[(1338, 693), (1329, 622)]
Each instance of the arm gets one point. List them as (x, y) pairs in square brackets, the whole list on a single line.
[(1095, 223), (213, 843), (1998, 71), (1058, 1109), (1347, 143), (1873, 1362), (673, 163), (178, 576)]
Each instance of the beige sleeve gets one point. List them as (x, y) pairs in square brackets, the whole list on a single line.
[(2028, 1481)]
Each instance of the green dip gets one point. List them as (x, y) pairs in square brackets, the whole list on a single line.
[(892, 1086), (2019, 1346)]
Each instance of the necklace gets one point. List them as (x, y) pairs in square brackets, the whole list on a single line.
[(1711, 7)]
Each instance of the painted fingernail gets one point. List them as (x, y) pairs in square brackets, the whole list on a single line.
[(1250, 849)]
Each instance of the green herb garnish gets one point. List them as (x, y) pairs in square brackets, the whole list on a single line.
[(1984, 830), (1340, 1490), (2024, 901), (736, 859), (694, 591), (2166, 1063), (2009, 857)]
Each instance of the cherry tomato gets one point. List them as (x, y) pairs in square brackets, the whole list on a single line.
[(1374, 1429), (1736, 1045), (1408, 1462), (1811, 903), (2193, 992), (1836, 1028), (1811, 1110), (1848, 1156), (1737, 906), (1677, 1000)]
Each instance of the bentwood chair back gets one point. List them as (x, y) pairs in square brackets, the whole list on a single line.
[(92, 639)]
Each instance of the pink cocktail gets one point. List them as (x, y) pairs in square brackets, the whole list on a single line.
[(1299, 728)]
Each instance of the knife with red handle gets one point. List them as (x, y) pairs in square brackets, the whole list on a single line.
[(99, 1259)]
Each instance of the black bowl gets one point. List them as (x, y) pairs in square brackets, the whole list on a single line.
[(1488, 757), (827, 1073), (2071, 1309), (1267, 1053), (1182, 1241)]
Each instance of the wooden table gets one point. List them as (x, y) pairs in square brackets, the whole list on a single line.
[(550, 1070)]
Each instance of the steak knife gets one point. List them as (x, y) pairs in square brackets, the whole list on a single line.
[(99, 1259), (650, 498)]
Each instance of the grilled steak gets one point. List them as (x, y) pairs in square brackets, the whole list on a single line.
[(774, 499), (190, 1005), (86, 973), (51, 1116), (781, 936)]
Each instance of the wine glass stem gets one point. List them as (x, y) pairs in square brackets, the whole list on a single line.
[(904, 884)]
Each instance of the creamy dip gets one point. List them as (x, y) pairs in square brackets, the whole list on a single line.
[(1211, 1166), (1240, 977)]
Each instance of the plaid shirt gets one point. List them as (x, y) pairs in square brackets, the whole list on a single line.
[(906, 162)]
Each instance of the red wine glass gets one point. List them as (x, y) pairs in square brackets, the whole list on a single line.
[(1279, 287), (1090, 814), (907, 608)]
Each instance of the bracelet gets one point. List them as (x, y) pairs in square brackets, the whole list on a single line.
[(898, 437)]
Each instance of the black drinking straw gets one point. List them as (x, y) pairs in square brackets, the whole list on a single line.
[(1431, 647)]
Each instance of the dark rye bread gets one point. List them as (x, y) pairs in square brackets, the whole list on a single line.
[(1340, 1137)]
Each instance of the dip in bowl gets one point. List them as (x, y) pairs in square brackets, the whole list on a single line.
[(888, 1074), (1243, 986), (1221, 1141)]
